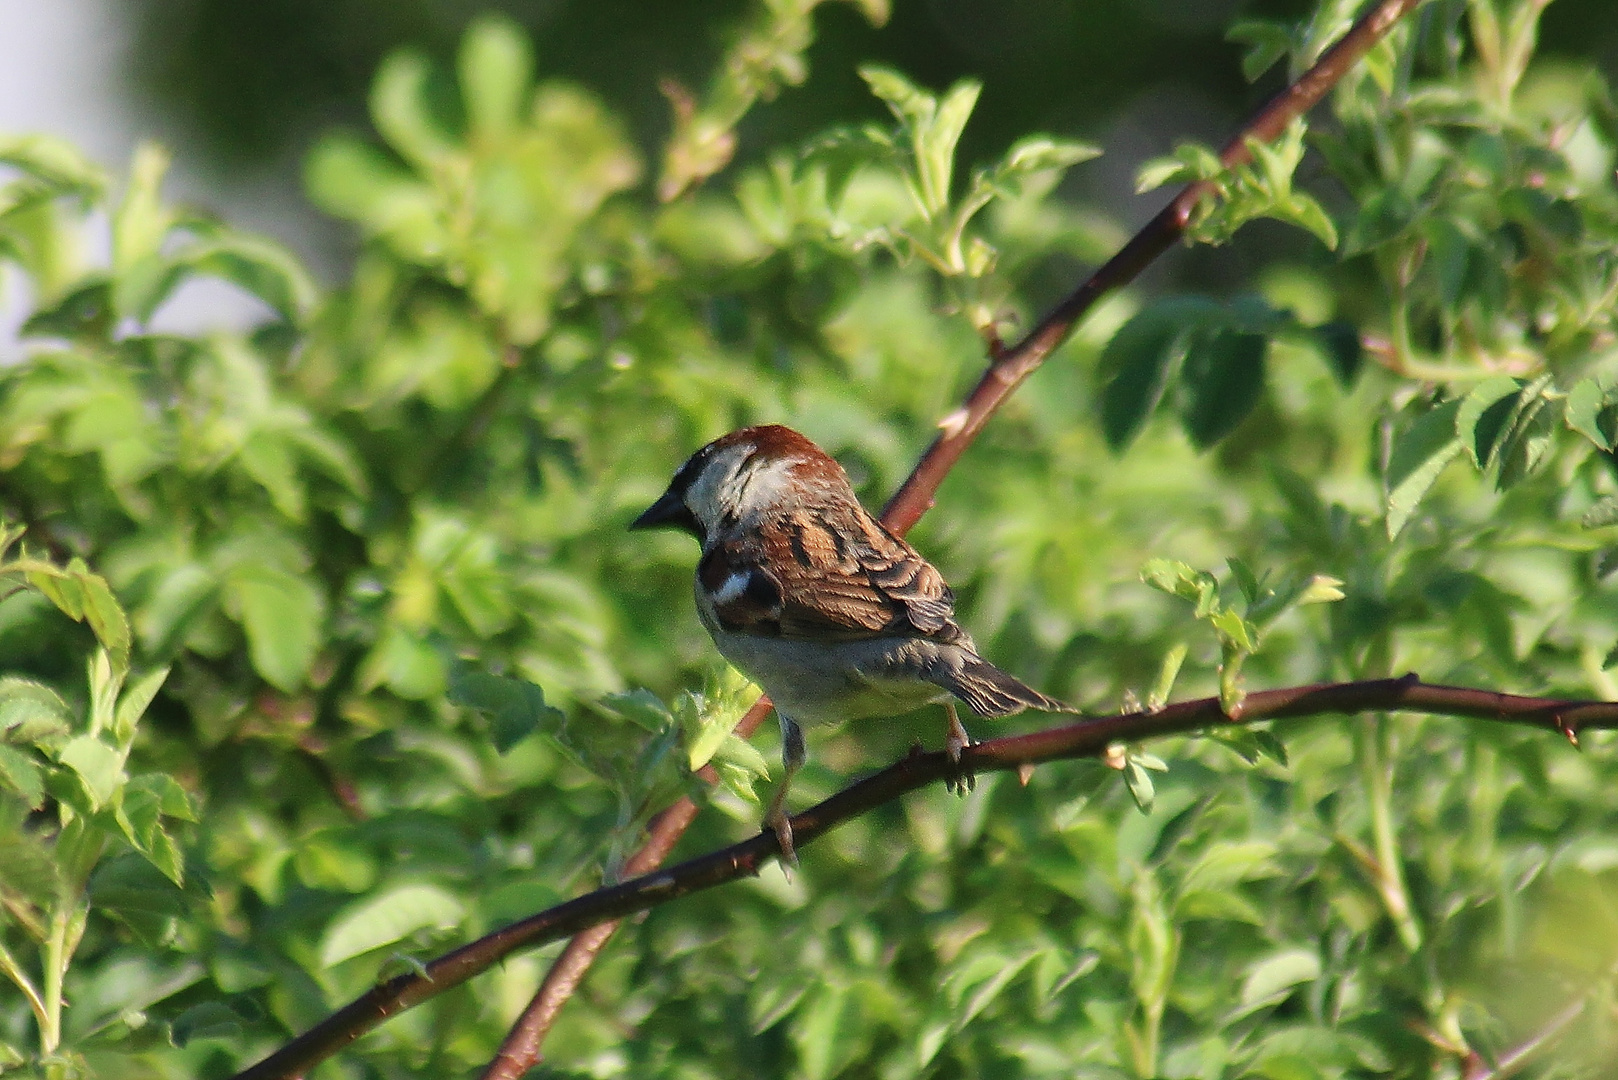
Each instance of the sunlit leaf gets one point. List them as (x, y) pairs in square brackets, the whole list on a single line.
[(387, 918)]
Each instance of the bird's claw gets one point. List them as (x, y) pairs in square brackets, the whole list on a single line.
[(956, 741)]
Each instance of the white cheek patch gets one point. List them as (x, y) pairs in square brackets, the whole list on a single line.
[(731, 588), (707, 498)]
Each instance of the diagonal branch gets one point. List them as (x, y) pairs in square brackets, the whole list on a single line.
[(1089, 738), (1006, 371)]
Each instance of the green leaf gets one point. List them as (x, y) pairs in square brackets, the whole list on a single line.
[(142, 804), (1223, 378), (205, 1020), (936, 142), (30, 712), (388, 918), (104, 614), (1167, 673), (56, 162), (98, 766), (1582, 411), (283, 616), (1234, 629), (642, 708), (740, 765), (1419, 455), (1139, 782), (1528, 438), (1271, 977), (21, 774), (515, 708), (496, 70), (85, 313), (1484, 415), (1137, 363), (1266, 43), (1340, 341), (133, 703), (258, 266), (400, 110), (129, 888), (1180, 579)]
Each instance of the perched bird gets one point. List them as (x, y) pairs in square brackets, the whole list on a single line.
[(813, 599)]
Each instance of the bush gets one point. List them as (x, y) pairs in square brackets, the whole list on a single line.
[(373, 666)]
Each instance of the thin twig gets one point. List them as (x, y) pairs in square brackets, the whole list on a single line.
[(1089, 738), (1007, 369)]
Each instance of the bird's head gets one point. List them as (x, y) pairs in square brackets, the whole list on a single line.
[(743, 474)]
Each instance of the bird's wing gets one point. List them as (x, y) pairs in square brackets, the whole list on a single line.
[(799, 576)]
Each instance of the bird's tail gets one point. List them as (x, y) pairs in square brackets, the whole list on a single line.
[(988, 691)]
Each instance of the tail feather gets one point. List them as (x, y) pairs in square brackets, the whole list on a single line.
[(988, 691)]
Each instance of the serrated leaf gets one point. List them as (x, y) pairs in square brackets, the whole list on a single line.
[(1419, 455), (30, 711), (132, 704), (141, 221), (21, 774), (1526, 443), (1582, 411), (1234, 629), (1271, 745), (1180, 579), (1484, 414), (386, 919)]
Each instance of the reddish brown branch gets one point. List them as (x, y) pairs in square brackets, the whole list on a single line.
[(1089, 738), (1007, 369)]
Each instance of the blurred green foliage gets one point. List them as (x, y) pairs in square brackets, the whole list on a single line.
[(325, 645)]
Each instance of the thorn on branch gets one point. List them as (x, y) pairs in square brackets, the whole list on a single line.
[(1566, 728)]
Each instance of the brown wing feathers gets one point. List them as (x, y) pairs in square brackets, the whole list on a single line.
[(825, 585)]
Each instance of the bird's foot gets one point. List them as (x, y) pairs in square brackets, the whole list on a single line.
[(955, 741)]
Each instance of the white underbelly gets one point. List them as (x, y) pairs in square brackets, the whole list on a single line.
[(831, 683)]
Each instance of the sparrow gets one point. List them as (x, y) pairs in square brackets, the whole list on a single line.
[(812, 598)]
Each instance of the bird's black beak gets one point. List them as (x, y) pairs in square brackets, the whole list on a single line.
[(668, 512)]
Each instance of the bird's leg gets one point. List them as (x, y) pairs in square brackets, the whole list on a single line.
[(955, 741), (793, 755)]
